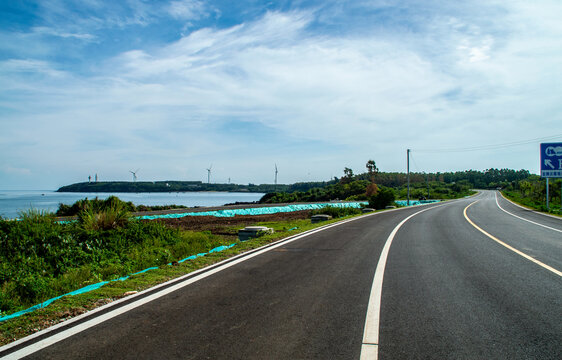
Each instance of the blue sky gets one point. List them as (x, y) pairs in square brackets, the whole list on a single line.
[(170, 87)]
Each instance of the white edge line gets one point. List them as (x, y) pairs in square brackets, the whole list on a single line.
[(530, 209), (369, 347), (521, 218), (113, 313), (369, 351)]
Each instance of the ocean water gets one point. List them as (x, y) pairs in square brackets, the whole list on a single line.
[(13, 202)]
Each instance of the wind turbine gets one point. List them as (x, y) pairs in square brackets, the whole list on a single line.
[(209, 174), (134, 174)]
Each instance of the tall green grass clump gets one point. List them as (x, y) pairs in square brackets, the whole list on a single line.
[(97, 205), (94, 205), (112, 215)]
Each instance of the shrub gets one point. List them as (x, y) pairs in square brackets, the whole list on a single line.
[(36, 216), (112, 216), (96, 205), (372, 189), (336, 212), (34, 288), (40, 258), (383, 198)]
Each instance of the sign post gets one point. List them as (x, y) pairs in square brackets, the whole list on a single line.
[(551, 164)]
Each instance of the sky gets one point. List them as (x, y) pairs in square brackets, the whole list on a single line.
[(172, 88)]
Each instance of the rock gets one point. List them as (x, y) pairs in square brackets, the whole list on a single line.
[(319, 218), (250, 232)]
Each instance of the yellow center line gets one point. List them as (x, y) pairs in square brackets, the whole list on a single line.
[(550, 268)]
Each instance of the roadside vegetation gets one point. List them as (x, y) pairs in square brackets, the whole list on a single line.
[(381, 189), (41, 258), (336, 212), (97, 205), (531, 192)]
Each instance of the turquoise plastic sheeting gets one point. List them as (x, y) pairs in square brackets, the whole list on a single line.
[(415, 202), (145, 270), (253, 211), (96, 286), (48, 302), (28, 310), (188, 258), (221, 248), (88, 288), (218, 213)]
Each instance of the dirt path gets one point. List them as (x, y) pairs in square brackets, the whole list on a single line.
[(224, 225)]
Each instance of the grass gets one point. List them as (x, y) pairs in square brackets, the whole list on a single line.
[(517, 197), (70, 306), (336, 212), (98, 204), (41, 259)]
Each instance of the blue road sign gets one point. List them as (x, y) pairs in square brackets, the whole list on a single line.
[(551, 160)]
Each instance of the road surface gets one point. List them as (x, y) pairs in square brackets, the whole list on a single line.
[(476, 278)]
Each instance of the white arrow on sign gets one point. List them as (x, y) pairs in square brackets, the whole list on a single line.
[(549, 163)]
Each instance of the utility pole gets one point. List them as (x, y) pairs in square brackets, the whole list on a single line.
[(408, 166), (427, 182), (275, 187), (547, 207)]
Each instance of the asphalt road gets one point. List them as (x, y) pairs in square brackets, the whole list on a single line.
[(450, 291)]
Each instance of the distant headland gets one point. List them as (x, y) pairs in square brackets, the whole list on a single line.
[(166, 186)]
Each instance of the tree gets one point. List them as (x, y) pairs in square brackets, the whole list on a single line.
[(372, 169), (372, 189), (348, 175), (382, 199)]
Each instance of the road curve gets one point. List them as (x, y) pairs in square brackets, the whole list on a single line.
[(452, 292), (449, 291)]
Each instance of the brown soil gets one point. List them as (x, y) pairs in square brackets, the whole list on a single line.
[(229, 225)]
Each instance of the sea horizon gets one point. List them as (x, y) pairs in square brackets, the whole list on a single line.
[(13, 202)]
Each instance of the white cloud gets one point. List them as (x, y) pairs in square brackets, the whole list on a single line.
[(186, 9), (349, 97), (16, 170), (272, 72), (43, 30), (30, 66), (477, 52)]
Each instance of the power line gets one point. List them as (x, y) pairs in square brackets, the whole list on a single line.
[(491, 147)]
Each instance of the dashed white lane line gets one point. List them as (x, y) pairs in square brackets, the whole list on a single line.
[(370, 345), (205, 272)]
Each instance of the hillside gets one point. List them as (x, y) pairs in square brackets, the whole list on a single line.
[(164, 186)]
